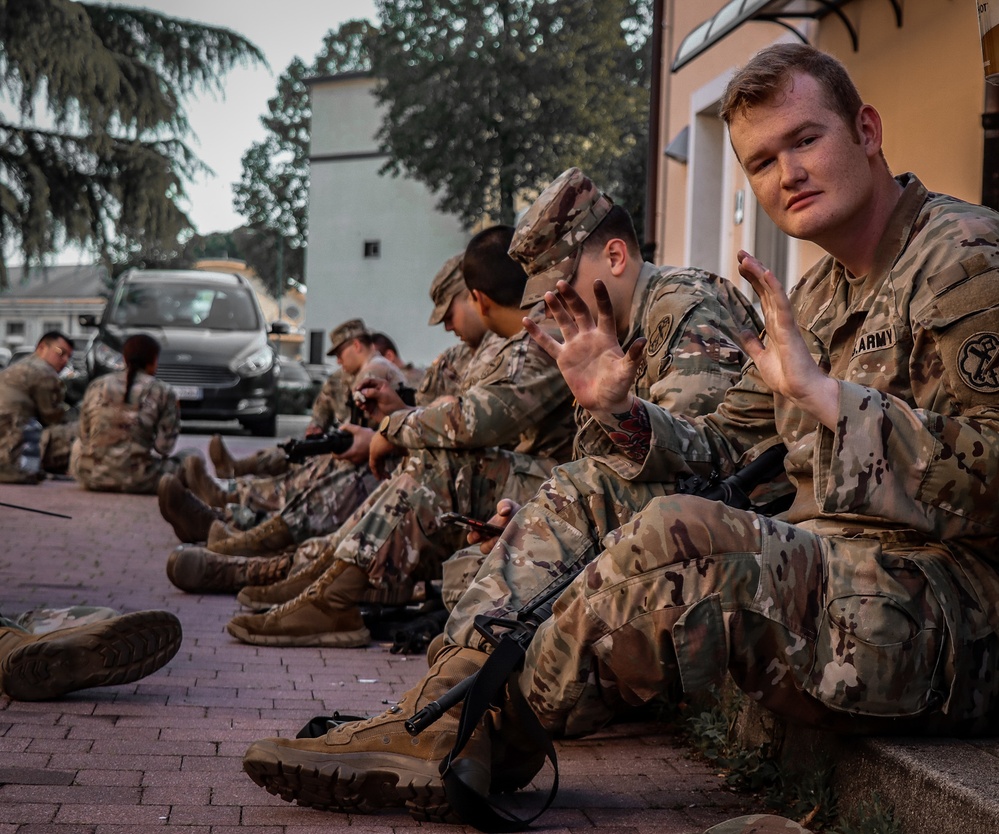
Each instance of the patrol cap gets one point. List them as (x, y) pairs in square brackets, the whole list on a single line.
[(549, 237), (448, 282), (343, 333)]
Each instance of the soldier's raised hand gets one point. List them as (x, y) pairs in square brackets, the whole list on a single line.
[(597, 370)]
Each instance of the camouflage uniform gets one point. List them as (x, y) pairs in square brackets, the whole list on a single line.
[(32, 390), (692, 320), (45, 620), (869, 606), (500, 438), (115, 448), (316, 497)]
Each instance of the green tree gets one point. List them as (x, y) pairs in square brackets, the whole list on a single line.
[(96, 153), (487, 100), (273, 191)]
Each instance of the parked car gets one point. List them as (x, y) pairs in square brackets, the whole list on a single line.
[(213, 334), (5, 356), (294, 387), (318, 373)]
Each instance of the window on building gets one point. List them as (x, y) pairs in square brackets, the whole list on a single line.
[(15, 328), (372, 248), (51, 325)]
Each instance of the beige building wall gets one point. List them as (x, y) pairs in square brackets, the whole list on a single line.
[(925, 78)]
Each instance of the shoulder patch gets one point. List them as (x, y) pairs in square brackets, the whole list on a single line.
[(978, 362), (657, 339)]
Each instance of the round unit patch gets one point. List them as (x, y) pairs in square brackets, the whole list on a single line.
[(978, 362)]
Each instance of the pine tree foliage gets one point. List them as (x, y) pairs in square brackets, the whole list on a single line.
[(92, 126), (487, 100), (273, 191)]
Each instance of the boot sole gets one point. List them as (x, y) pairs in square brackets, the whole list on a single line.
[(356, 639), (359, 782), (108, 653)]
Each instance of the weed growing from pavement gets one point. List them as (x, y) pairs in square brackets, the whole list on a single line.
[(805, 794)]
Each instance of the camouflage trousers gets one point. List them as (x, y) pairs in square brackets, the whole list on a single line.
[(55, 446), (269, 491), (396, 530), (44, 620), (835, 632)]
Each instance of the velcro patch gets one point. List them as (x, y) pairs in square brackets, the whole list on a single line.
[(658, 339), (878, 340)]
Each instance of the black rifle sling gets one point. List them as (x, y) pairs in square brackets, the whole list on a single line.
[(471, 806)]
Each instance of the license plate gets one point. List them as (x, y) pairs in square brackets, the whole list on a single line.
[(188, 392)]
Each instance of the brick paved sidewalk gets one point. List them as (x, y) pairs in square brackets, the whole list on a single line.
[(166, 751)]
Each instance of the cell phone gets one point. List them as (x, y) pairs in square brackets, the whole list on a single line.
[(490, 531)]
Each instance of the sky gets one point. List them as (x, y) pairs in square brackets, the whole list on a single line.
[(225, 126)]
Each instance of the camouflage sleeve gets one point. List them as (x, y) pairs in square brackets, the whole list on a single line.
[(522, 385), (330, 406), (168, 425), (444, 376), (934, 467), (48, 395)]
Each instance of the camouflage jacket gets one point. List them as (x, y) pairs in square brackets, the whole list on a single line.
[(915, 345), (444, 377), (121, 444), (334, 404), (513, 396), (29, 389), (692, 319)]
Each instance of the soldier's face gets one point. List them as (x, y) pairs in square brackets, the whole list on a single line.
[(56, 353), (810, 170), (462, 318), (349, 357)]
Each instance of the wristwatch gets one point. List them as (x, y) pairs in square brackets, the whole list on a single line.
[(383, 426)]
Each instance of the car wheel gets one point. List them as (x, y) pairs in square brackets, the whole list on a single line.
[(263, 426)]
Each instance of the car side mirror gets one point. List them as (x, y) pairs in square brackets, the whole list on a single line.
[(280, 328), (87, 320)]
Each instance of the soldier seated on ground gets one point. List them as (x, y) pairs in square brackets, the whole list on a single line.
[(48, 653), (323, 500), (386, 347), (500, 437), (868, 607), (35, 436), (314, 499), (129, 423)]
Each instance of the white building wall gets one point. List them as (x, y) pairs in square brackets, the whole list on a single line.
[(350, 205)]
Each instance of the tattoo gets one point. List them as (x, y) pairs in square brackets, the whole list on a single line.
[(633, 433)]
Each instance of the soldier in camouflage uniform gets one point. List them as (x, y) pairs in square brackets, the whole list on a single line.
[(32, 394), (200, 569), (387, 348), (327, 488), (129, 422), (691, 317), (501, 438), (46, 653), (869, 606)]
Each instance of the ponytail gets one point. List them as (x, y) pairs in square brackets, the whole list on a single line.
[(139, 351)]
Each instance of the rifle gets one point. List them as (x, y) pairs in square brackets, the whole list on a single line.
[(335, 442)]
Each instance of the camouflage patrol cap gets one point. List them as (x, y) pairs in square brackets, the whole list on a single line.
[(548, 238), (448, 282), (343, 333)]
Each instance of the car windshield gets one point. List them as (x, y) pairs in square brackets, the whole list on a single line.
[(185, 305)]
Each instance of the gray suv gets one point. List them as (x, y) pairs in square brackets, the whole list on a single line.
[(215, 351)]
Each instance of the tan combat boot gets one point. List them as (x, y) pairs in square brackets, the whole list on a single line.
[(199, 570), (366, 765), (325, 614), (264, 462), (203, 485), (37, 667), (262, 597), (190, 517), (266, 539)]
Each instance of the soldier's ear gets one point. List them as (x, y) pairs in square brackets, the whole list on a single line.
[(483, 303), (616, 253)]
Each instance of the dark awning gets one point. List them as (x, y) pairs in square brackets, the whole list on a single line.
[(733, 14)]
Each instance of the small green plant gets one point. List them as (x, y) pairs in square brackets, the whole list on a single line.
[(873, 816)]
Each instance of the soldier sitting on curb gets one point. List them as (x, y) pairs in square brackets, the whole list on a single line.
[(321, 496), (35, 437), (869, 607)]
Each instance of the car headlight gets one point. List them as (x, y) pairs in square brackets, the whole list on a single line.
[(108, 358), (256, 363)]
